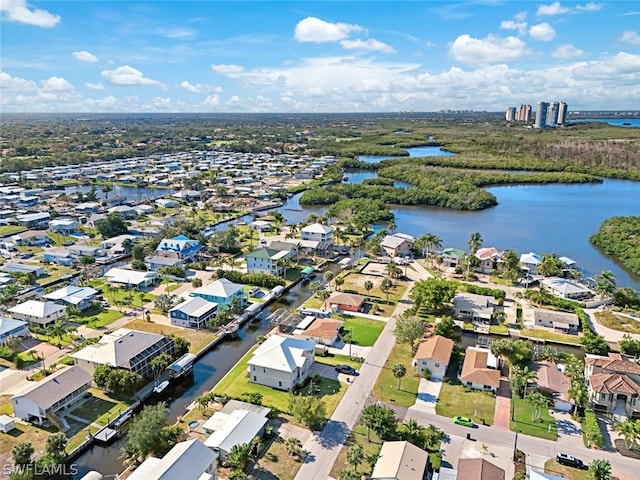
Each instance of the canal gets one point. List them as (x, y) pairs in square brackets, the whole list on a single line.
[(207, 372)]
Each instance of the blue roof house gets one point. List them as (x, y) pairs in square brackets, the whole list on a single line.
[(179, 246)]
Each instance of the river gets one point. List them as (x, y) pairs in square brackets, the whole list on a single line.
[(131, 194)]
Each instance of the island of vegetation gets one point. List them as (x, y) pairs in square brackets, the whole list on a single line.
[(620, 237)]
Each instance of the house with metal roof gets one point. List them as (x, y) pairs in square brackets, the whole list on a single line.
[(222, 292), (398, 244), (238, 428), (38, 400), (10, 327), (564, 322), (179, 246), (194, 312), (267, 260), (189, 460), (564, 288), (400, 460), (130, 278), (38, 313), (79, 297), (450, 257)]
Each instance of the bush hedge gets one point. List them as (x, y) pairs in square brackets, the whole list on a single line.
[(591, 430)]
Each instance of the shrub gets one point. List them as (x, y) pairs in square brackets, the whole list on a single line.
[(592, 434), (259, 279)]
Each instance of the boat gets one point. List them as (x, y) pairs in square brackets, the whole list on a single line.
[(626, 124), (231, 328), (345, 179), (158, 389)]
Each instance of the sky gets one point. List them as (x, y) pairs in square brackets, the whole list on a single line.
[(325, 56)]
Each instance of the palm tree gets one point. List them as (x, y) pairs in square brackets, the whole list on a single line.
[(629, 431), (600, 469), (385, 286), (368, 286), (399, 371), (293, 446), (522, 376), (579, 394), (339, 281), (414, 432), (56, 330), (538, 402), (475, 242), (239, 456), (391, 225), (605, 283), (328, 276), (355, 456), (549, 354), (369, 418), (551, 265)]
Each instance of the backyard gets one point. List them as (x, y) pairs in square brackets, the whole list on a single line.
[(97, 317), (455, 399), (120, 296), (198, 338), (522, 412), (364, 331), (386, 388)]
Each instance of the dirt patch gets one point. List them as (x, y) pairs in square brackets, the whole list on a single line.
[(624, 451), (376, 269)]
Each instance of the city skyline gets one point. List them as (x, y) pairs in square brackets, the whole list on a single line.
[(288, 56)]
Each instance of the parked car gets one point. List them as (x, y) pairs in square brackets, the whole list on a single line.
[(104, 304), (570, 460), (347, 369), (68, 243), (464, 421)]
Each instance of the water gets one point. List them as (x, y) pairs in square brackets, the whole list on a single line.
[(132, 194), (207, 372), (359, 176), (618, 122), (425, 151)]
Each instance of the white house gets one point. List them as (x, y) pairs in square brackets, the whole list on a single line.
[(398, 244), (490, 259), (241, 426), (434, 354), (318, 232), (530, 262), (55, 392), (222, 292), (64, 226), (282, 362), (189, 460), (10, 328), (166, 203), (566, 289), (564, 321), (79, 297), (130, 278), (267, 260), (38, 313), (194, 312)]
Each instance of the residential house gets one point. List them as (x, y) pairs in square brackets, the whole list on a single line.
[(64, 226), (348, 302), (529, 263), (30, 238), (473, 307), (613, 384), (267, 260), (434, 354), (222, 292), (166, 203), (564, 288), (188, 460), (179, 246), (562, 321), (130, 278), (553, 383), (262, 225), (127, 349), (125, 212), (318, 233), (218, 419), (194, 312), (87, 207), (38, 220), (79, 250), (490, 259), (157, 262), (398, 244), (324, 331), (282, 362), (569, 263), (479, 469), (116, 242), (34, 270), (144, 209), (39, 314), (238, 428), (79, 297), (10, 328), (40, 400), (58, 255), (400, 460), (450, 257), (480, 370)]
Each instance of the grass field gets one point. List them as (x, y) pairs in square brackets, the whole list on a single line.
[(100, 408), (554, 468), (615, 321), (364, 331), (198, 338), (338, 360), (386, 388), (547, 335), (357, 435), (546, 428), (126, 298), (458, 400), (97, 317)]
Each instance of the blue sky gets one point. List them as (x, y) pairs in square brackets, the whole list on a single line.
[(329, 56)]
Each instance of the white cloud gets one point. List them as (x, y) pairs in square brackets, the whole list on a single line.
[(199, 87), (94, 86), (85, 56), (211, 101), (630, 37), (16, 84), (56, 84), (568, 51), (176, 32), (520, 16), (228, 70), (552, 9), (542, 31), (492, 49), (589, 7), (126, 75), (520, 26), (18, 11), (312, 29), (370, 45)]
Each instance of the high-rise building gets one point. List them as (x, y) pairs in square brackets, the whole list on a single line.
[(552, 114), (524, 113), (511, 114), (541, 115), (562, 113)]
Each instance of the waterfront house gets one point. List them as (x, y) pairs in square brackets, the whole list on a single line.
[(34, 270), (282, 362), (554, 384), (324, 331), (166, 203), (39, 314), (79, 297), (218, 419), (87, 207), (31, 238), (450, 257), (157, 262), (529, 263), (262, 225), (188, 460), (564, 288), (64, 226), (434, 354), (318, 233), (130, 278), (194, 312), (267, 260), (347, 302), (564, 322), (38, 401), (239, 427), (400, 460), (80, 250), (126, 349), (222, 292), (490, 259), (473, 307), (38, 220), (613, 384), (125, 212), (398, 244), (58, 255), (10, 328), (179, 246), (480, 370)]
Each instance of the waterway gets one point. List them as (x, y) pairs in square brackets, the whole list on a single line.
[(131, 194), (618, 122), (207, 372)]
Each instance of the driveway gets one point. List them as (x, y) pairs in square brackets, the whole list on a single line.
[(502, 413), (428, 393)]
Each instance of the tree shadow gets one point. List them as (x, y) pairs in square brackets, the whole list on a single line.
[(333, 435)]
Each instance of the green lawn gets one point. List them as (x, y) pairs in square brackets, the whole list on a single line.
[(554, 468), (97, 317), (364, 331), (236, 382), (357, 435), (386, 388), (170, 286), (615, 321), (126, 298), (459, 400), (6, 230), (100, 408), (547, 335), (54, 272), (545, 428)]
